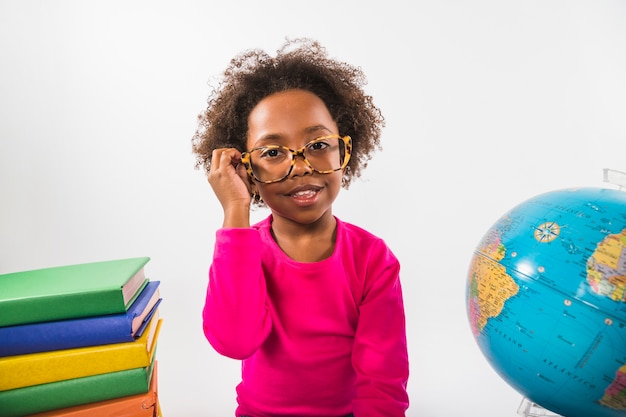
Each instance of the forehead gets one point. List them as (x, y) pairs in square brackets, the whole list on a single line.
[(289, 113)]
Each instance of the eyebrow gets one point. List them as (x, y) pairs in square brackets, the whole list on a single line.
[(273, 137), (316, 128)]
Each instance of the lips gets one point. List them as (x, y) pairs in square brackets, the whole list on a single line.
[(304, 192)]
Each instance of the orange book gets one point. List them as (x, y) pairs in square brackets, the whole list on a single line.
[(60, 365), (141, 405)]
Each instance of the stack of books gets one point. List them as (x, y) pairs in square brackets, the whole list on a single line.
[(80, 340)]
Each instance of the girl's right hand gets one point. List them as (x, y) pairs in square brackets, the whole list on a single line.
[(230, 183)]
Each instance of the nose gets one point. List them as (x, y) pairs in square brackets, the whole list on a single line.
[(300, 166)]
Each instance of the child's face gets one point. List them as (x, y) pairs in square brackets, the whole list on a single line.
[(293, 118)]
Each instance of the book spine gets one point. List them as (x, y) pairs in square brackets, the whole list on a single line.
[(39, 398), (66, 334), (41, 368), (74, 333), (140, 405), (61, 307), (70, 291)]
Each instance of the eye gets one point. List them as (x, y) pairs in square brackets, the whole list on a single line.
[(272, 153), (318, 146)]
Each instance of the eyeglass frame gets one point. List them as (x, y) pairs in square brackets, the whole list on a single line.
[(347, 140)]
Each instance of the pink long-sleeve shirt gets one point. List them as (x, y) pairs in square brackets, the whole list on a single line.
[(317, 339)]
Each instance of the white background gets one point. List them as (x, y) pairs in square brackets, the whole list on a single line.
[(487, 103)]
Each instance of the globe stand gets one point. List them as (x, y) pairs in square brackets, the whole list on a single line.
[(615, 177), (528, 408)]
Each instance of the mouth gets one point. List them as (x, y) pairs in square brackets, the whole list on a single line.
[(305, 193)]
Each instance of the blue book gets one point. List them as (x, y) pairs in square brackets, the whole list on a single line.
[(82, 332)]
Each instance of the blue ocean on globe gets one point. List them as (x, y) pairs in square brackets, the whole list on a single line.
[(546, 300)]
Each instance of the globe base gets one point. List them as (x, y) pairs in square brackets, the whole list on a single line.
[(528, 408), (615, 177)]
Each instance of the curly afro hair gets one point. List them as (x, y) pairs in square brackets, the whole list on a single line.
[(298, 64)]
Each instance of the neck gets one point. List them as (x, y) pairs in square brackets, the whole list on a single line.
[(309, 242), (287, 226)]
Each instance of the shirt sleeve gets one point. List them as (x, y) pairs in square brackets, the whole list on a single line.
[(380, 356), (236, 319)]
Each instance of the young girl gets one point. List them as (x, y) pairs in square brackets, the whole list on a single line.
[(312, 305)]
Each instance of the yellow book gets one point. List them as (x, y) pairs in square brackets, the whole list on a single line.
[(60, 365)]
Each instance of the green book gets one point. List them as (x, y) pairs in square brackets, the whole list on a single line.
[(70, 291), (55, 395)]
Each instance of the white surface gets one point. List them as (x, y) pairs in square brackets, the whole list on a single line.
[(487, 103)]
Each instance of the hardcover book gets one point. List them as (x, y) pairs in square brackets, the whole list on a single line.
[(140, 405), (41, 368), (26, 401), (82, 332), (71, 291)]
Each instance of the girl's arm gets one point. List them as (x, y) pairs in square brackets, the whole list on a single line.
[(236, 320), (380, 355)]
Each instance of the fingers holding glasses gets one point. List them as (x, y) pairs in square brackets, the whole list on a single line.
[(228, 177), (223, 157)]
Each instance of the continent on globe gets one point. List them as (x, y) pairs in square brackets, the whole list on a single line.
[(615, 394), (489, 284), (605, 268)]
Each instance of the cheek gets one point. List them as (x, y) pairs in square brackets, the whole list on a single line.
[(334, 183), (337, 177), (263, 190)]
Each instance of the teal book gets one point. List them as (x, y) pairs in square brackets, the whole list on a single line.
[(71, 291), (62, 394)]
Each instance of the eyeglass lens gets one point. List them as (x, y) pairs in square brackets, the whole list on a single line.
[(274, 162)]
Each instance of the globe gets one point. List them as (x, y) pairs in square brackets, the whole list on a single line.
[(546, 300)]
